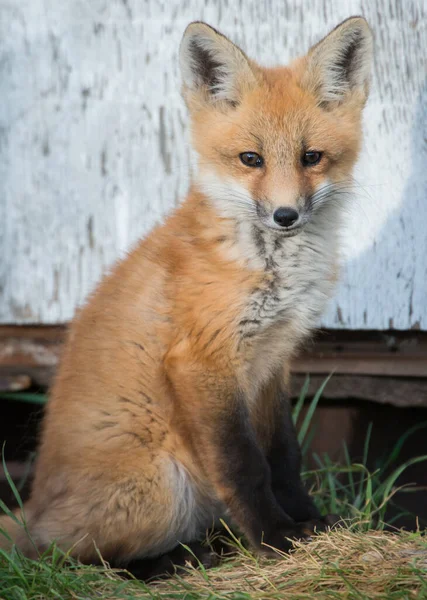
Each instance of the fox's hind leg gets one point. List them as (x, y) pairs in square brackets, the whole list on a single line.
[(121, 513)]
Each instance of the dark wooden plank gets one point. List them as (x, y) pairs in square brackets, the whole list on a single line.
[(397, 391), (384, 367)]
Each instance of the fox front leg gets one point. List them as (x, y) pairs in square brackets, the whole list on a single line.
[(217, 427), (284, 458)]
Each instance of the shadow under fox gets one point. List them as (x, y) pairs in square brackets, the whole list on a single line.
[(169, 410)]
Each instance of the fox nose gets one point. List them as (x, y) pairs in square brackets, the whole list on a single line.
[(285, 217)]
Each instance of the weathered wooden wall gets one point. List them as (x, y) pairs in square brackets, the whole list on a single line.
[(93, 134)]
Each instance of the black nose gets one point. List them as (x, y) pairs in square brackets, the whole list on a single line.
[(285, 217)]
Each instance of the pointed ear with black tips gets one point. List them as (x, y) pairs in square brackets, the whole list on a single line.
[(341, 63), (212, 66)]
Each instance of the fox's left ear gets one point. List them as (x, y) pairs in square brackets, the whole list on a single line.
[(341, 63)]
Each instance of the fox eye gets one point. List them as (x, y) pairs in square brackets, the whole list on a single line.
[(251, 159), (311, 158)]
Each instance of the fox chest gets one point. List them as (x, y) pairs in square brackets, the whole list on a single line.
[(279, 313)]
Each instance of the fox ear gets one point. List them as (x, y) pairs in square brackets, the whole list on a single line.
[(213, 66), (341, 62)]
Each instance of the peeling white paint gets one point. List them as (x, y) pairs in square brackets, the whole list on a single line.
[(93, 144)]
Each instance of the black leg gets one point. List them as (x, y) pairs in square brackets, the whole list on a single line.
[(284, 458)]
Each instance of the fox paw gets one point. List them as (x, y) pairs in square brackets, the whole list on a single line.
[(284, 539), (322, 524)]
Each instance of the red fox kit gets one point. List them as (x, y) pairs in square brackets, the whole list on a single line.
[(169, 410)]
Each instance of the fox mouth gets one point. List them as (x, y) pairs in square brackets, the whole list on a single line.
[(284, 231)]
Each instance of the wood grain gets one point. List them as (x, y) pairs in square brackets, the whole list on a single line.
[(93, 144), (36, 351)]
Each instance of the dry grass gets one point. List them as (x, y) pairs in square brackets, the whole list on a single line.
[(340, 564), (344, 564)]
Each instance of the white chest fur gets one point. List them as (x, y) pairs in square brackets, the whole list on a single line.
[(299, 280)]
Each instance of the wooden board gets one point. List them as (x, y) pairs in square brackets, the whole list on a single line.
[(93, 144), (365, 365)]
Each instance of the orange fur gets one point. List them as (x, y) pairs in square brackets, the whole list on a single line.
[(129, 457)]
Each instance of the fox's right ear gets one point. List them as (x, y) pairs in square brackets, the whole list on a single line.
[(212, 66)]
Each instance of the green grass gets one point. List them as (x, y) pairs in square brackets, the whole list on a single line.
[(360, 560), (342, 564), (350, 489), (29, 397)]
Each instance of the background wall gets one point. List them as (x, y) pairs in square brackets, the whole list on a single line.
[(93, 144)]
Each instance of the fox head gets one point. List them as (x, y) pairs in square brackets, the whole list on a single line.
[(276, 145)]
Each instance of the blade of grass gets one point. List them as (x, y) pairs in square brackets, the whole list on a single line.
[(308, 441), (350, 473), (394, 454), (310, 412), (25, 397), (10, 480), (28, 464), (386, 488), (301, 399), (332, 487), (365, 454)]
